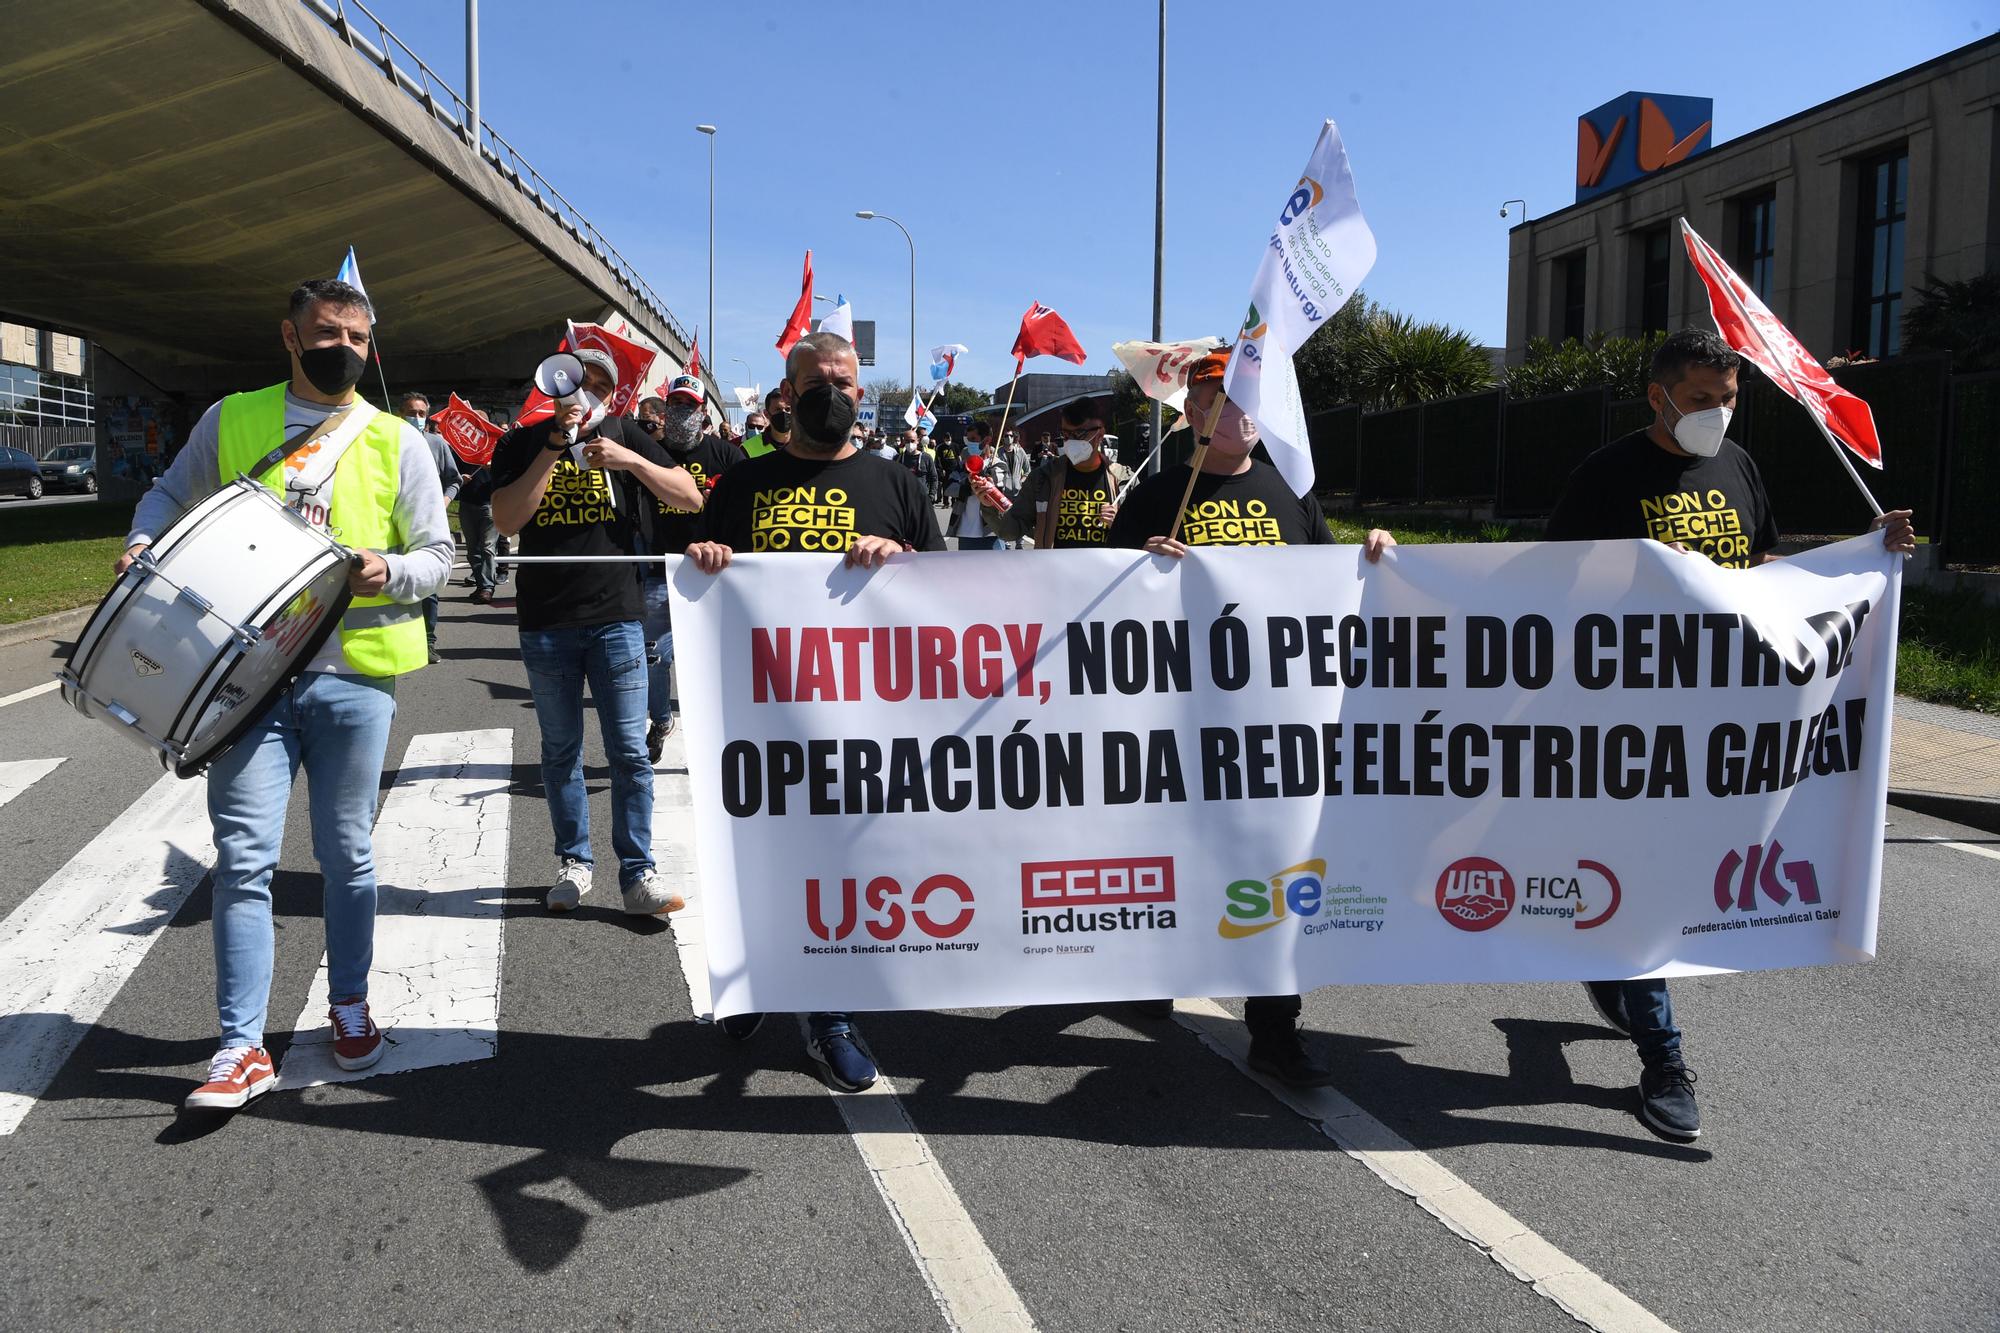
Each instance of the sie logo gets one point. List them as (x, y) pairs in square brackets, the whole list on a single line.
[(1607, 157), (1256, 905)]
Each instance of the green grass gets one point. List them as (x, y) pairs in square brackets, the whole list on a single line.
[(57, 558), (1948, 651)]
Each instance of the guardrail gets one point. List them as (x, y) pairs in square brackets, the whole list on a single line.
[(451, 110)]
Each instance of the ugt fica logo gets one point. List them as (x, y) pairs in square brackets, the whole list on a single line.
[(1476, 893)]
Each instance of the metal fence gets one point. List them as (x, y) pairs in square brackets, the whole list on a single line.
[(1940, 448), (41, 441)]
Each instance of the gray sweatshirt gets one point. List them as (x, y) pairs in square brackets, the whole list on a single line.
[(418, 567)]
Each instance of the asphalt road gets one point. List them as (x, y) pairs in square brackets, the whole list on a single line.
[(617, 1163), (50, 499)]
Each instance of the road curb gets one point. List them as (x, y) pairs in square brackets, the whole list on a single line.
[(45, 627), (1977, 812)]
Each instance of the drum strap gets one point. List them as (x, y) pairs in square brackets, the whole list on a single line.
[(337, 429)]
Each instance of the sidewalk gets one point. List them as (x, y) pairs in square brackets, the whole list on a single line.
[(1949, 754)]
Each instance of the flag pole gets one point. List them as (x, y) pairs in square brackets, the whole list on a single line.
[(1000, 436), (1194, 464), (1840, 452)]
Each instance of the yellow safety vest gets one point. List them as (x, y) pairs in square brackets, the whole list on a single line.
[(379, 637)]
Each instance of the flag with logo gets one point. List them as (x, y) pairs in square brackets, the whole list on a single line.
[(1161, 369), (917, 415), (467, 430), (1043, 333), (632, 360), (1316, 255), (944, 360), (1749, 327), (748, 396), (801, 317), (350, 273), (841, 321)]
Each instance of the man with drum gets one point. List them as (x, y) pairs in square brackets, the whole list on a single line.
[(368, 479)]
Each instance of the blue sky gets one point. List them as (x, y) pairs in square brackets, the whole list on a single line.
[(1016, 141)]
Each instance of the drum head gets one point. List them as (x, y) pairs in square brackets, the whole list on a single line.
[(293, 633)]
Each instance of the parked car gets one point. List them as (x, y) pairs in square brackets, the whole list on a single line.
[(72, 467), (19, 474)]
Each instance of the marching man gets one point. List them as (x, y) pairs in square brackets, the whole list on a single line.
[(369, 478)]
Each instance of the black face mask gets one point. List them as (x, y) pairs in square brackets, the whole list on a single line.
[(781, 422), (334, 369), (826, 415)]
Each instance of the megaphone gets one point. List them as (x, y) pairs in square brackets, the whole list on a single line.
[(561, 377)]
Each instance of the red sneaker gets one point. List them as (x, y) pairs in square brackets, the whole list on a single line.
[(235, 1075), (357, 1042)]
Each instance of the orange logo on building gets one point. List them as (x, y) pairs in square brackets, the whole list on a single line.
[(1657, 146), (1593, 154)]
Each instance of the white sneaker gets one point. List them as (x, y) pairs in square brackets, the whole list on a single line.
[(572, 882), (646, 896)]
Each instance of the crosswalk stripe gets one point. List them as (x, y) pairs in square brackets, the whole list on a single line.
[(66, 951), (441, 867), (972, 1291), (673, 855), (17, 775), (32, 692)]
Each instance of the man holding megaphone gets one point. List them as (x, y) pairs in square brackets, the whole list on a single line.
[(574, 484)]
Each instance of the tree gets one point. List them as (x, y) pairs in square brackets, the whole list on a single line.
[(1626, 364), (1395, 360), (1961, 317), (958, 398), (1323, 363)]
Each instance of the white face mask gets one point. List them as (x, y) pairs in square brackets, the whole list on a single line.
[(1078, 452), (1700, 433), (417, 419)]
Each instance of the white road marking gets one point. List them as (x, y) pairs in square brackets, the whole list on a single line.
[(66, 951), (16, 776), (1464, 1210), (441, 863), (29, 693), (1976, 851), (673, 855), (972, 1292)]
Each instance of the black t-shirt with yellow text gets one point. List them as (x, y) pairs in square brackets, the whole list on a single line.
[(584, 511), (1633, 488), (1254, 508), (670, 530), (783, 502), (1080, 507)]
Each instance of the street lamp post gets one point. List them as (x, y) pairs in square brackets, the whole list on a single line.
[(865, 215), (709, 130)]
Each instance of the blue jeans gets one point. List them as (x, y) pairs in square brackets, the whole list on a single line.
[(982, 543), (338, 728), (659, 652), (1649, 1009), (829, 1025), (612, 659)]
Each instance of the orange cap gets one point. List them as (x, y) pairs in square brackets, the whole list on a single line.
[(1209, 368)]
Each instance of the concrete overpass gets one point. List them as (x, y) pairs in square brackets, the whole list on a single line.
[(173, 167)]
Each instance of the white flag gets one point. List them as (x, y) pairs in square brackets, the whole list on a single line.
[(748, 396), (841, 321), (1317, 255), (1161, 369)]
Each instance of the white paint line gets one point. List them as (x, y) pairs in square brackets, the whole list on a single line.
[(441, 868), (1976, 851), (1464, 1210), (673, 855), (66, 951), (29, 693), (16, 776), (972, 1293)]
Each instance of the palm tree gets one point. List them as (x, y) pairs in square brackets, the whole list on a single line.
[(1398, 360)]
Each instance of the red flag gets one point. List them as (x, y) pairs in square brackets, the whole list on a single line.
[(633, 362), (801, 320), (468, 432), (694, 356), (1043, 333), (1749, 327)]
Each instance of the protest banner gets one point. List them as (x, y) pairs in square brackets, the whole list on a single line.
[(1261, 771)]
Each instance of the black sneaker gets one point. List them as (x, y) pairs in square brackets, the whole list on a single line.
[(656, 739), (842, 1060), (1666, 1100), (740, 1027), (1608, 998), (435, 659), (1284, 1056)]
